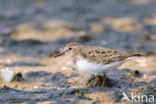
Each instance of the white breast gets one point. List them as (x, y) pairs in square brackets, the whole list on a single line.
[(93, 68)]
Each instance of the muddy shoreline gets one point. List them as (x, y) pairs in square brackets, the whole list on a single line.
[(32, 32)]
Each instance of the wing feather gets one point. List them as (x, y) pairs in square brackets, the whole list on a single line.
[(105, 55)]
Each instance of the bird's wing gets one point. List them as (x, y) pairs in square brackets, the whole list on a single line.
[(105, 55)]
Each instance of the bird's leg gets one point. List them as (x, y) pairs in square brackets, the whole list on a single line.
[(104, 80), (97, 80)]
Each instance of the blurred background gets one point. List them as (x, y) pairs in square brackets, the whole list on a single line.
[(35, 27), (33, 31)]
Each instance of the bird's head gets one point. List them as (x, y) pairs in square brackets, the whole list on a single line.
[(70, 49)]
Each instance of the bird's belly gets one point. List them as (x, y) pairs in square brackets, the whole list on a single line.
[(93, 68)]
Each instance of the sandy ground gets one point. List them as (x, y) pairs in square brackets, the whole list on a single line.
[(32, 32)]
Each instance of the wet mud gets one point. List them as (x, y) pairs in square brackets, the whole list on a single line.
[(32, 32)]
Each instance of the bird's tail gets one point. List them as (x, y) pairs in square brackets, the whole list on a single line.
[(137, 54)]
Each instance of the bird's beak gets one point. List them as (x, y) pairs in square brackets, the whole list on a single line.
[(62, 53)]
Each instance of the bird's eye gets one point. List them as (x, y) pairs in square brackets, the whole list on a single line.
[(70, 48)]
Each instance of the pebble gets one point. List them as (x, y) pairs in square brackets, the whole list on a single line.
[(8, 75)]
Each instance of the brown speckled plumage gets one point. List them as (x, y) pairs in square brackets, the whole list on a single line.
[(104, 55), (96, 60), (99, 54)]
